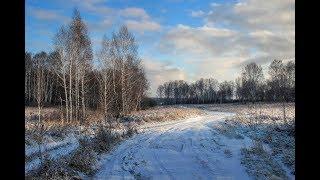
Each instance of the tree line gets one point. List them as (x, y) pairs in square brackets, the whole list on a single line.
[(251, 86), (69, 78)]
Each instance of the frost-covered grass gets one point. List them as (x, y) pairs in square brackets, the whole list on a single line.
[(266, 110), (265, 125), (164, 113), (75, 158), (260, 164)]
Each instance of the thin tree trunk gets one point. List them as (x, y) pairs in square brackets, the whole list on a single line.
[(61, 111), (66, 97), (284, 112), (70, 92), (138, 102), (123, 89), (46, 88), (39, 114), (50, 93), (83, 100), (77, 97), (105, 98), (115, 95)]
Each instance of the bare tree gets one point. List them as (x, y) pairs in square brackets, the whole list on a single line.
[(122, 78), (80, 60), (39, 95), (282, 82), (252, 77), (61, 64), (225, 91), (28, 77)]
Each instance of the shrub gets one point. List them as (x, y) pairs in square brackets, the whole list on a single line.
[(53, 170), (84, 158), (130, 131), (104, 140)]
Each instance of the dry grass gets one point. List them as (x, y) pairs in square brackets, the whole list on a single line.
[(164, 113), (47, 113)]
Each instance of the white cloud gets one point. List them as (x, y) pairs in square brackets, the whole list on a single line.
[(163, 10), (136, 19), (142, 21), (100, 26), (158, 72), (214, 4), (134, 12), (197, 13), (252, 31), (198, 41), (95, 7), (142, 25), (273, 15), (47, 15)]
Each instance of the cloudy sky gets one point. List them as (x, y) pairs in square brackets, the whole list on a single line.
[(178, 39)]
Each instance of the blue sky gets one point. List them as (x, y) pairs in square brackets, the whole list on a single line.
[(178, 39)]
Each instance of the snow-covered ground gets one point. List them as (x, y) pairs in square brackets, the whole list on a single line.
[(213, 144), (185, 149), (54, 150)]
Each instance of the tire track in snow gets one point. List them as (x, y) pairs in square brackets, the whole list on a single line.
[(174, 150), (124, 149), (163, 168)]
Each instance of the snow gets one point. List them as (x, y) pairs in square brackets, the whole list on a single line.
[(184, 149), (48, 146), (206, 146), (55, 150)]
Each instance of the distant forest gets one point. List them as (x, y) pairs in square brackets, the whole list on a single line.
[(251, 86)]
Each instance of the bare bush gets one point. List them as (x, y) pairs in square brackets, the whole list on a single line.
[(84, 158), (104, 140)]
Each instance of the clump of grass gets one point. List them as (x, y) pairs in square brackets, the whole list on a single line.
[(58, 131), (260, 164), (84, 158), (229, 130), (289, 159), (130, 131), (52, 170), (104, 140)]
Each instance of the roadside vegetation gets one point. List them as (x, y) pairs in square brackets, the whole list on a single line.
[(272, 153)]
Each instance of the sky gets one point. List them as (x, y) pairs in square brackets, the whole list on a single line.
[(178, 39)]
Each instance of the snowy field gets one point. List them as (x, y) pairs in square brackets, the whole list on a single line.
[(221, 142)]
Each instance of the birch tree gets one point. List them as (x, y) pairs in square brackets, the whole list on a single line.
[(39, 93), (61, 64)]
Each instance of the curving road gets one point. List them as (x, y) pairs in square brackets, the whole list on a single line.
[(185, 149)]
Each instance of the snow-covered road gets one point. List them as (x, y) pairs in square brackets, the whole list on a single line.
[(186, 149)]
